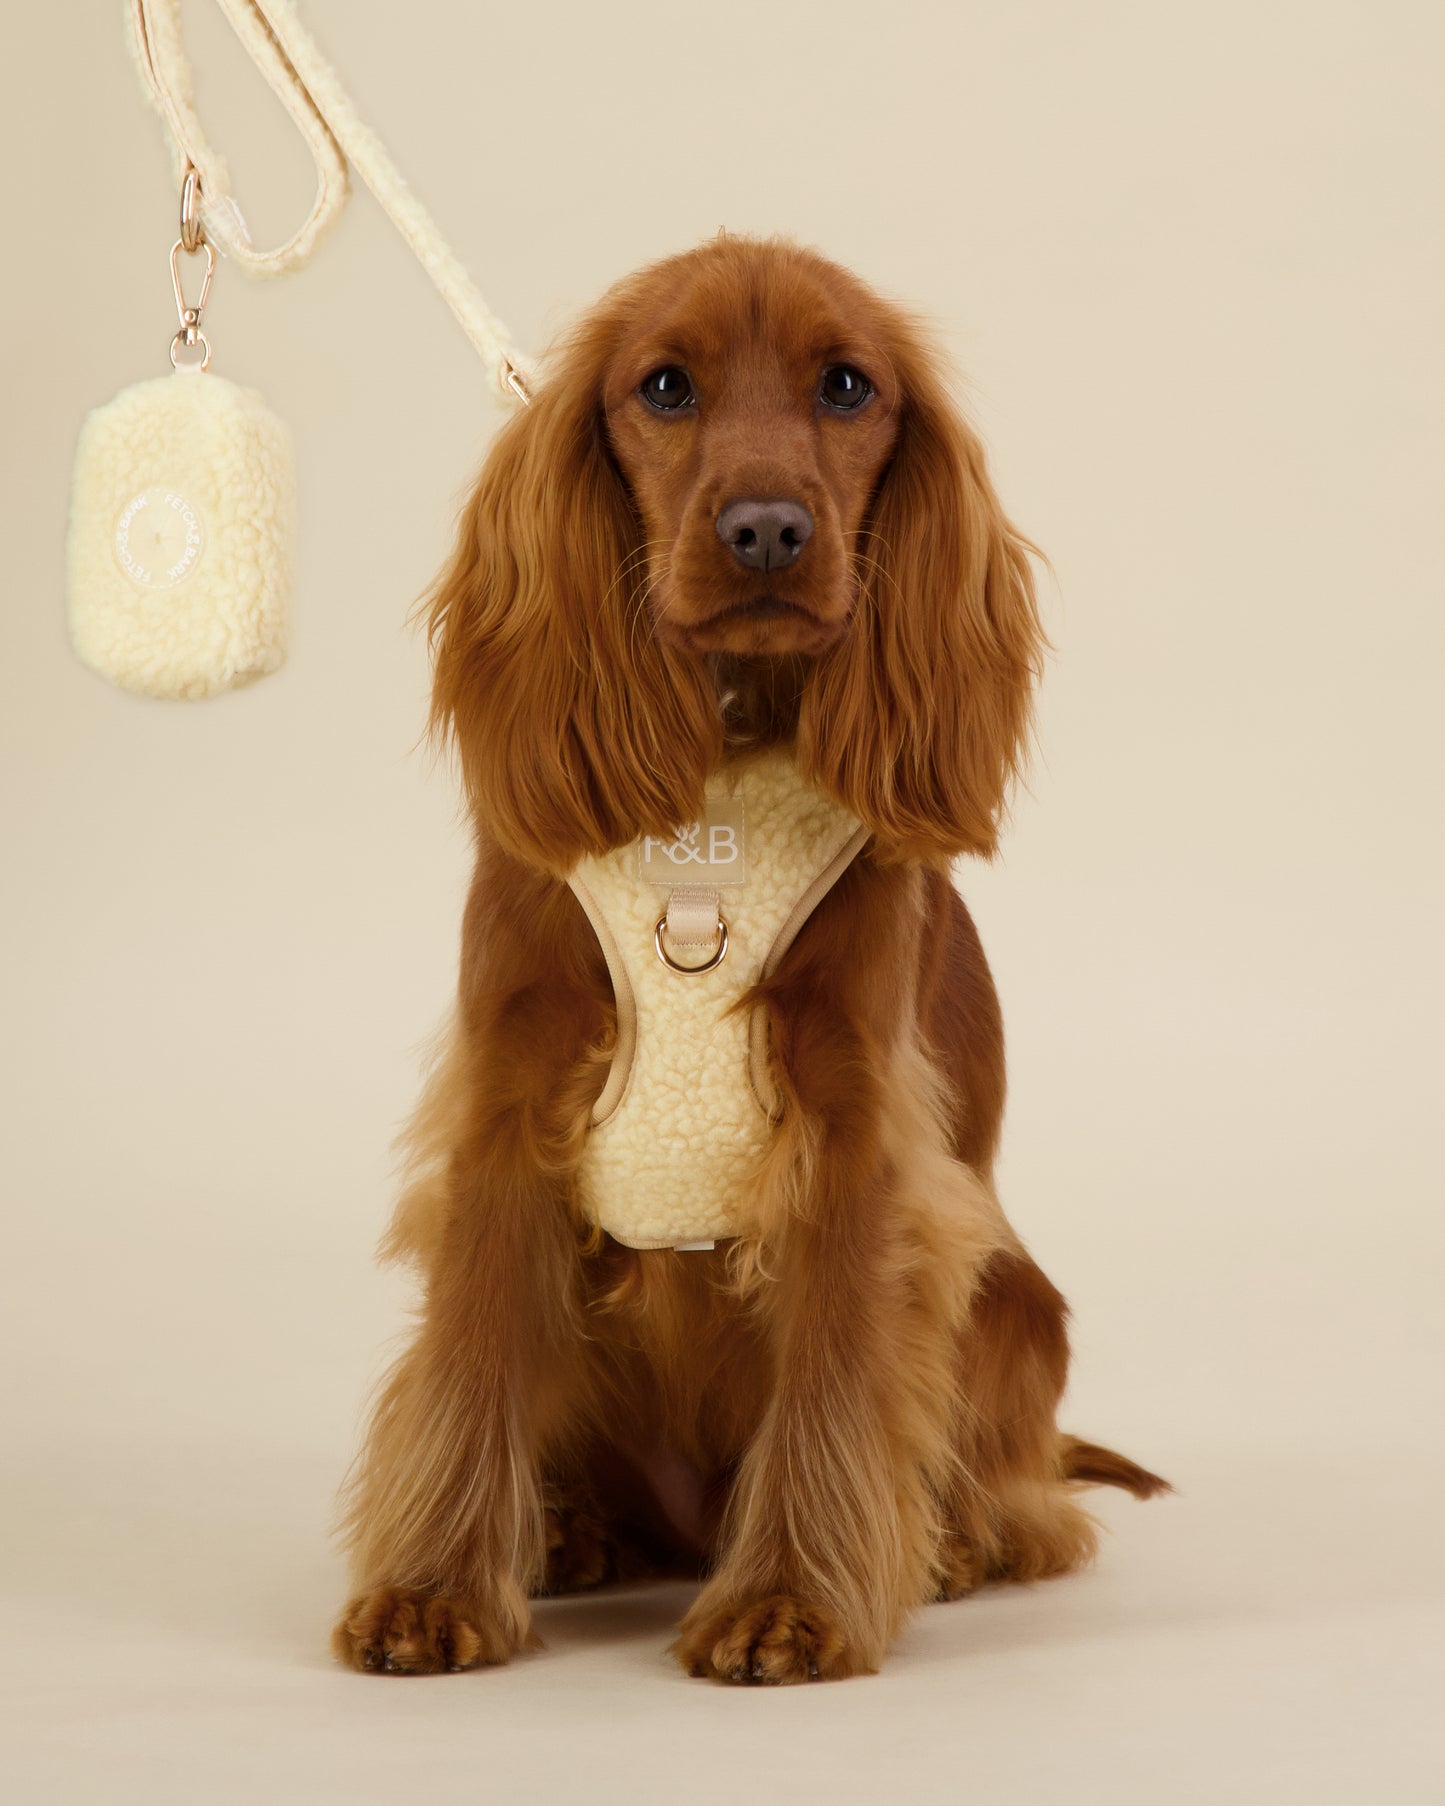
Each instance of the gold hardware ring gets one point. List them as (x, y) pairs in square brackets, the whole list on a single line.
[(193, 233), (719, 953)]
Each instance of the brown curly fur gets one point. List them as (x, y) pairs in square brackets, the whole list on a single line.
[(849, 1408)]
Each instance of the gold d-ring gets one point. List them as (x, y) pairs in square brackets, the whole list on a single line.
[(719, 953), (193, 233)]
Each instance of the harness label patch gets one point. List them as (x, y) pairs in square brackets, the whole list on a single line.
[(712, 851)]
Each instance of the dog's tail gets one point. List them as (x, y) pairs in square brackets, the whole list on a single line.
[(1092, 1465)]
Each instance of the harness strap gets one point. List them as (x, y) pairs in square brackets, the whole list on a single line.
[(694, 914), (322, 111)]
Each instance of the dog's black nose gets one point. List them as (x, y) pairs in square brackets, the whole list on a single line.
[(765, 535)]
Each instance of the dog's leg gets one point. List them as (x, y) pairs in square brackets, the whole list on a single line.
[(832, 1529), (593, 1535), (446, 1516), (582, 1550), (446, 1519), (1011, 1514)]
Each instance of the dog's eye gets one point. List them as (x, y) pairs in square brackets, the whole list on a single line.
[(844, 387), (668, 388)]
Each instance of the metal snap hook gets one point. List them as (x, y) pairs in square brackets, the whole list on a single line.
[(190, 333)]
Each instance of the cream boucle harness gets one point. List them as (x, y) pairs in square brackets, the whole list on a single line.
[(688, 925)]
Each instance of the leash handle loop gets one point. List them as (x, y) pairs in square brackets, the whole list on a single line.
[(322, 111)]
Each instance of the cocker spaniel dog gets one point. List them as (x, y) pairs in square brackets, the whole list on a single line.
[(736, 650)]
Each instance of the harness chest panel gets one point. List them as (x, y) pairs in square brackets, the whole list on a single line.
[(683, 1120)]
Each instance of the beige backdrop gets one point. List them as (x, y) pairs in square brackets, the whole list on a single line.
[(1189, 257)]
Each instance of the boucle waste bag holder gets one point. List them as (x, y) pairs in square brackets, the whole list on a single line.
[(183, 503), (181, 524)]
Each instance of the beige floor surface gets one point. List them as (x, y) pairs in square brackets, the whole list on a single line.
[(1272, 1634)]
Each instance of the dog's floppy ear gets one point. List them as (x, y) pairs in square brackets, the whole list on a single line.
[(575, 728), (918, 720)]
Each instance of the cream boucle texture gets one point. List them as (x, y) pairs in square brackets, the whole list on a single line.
[(224, 620), (676, 1159)]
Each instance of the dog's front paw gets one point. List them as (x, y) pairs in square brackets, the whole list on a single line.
[(768, 1643), (407, 1630)]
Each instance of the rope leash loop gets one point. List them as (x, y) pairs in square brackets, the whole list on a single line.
[(322, 111)]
